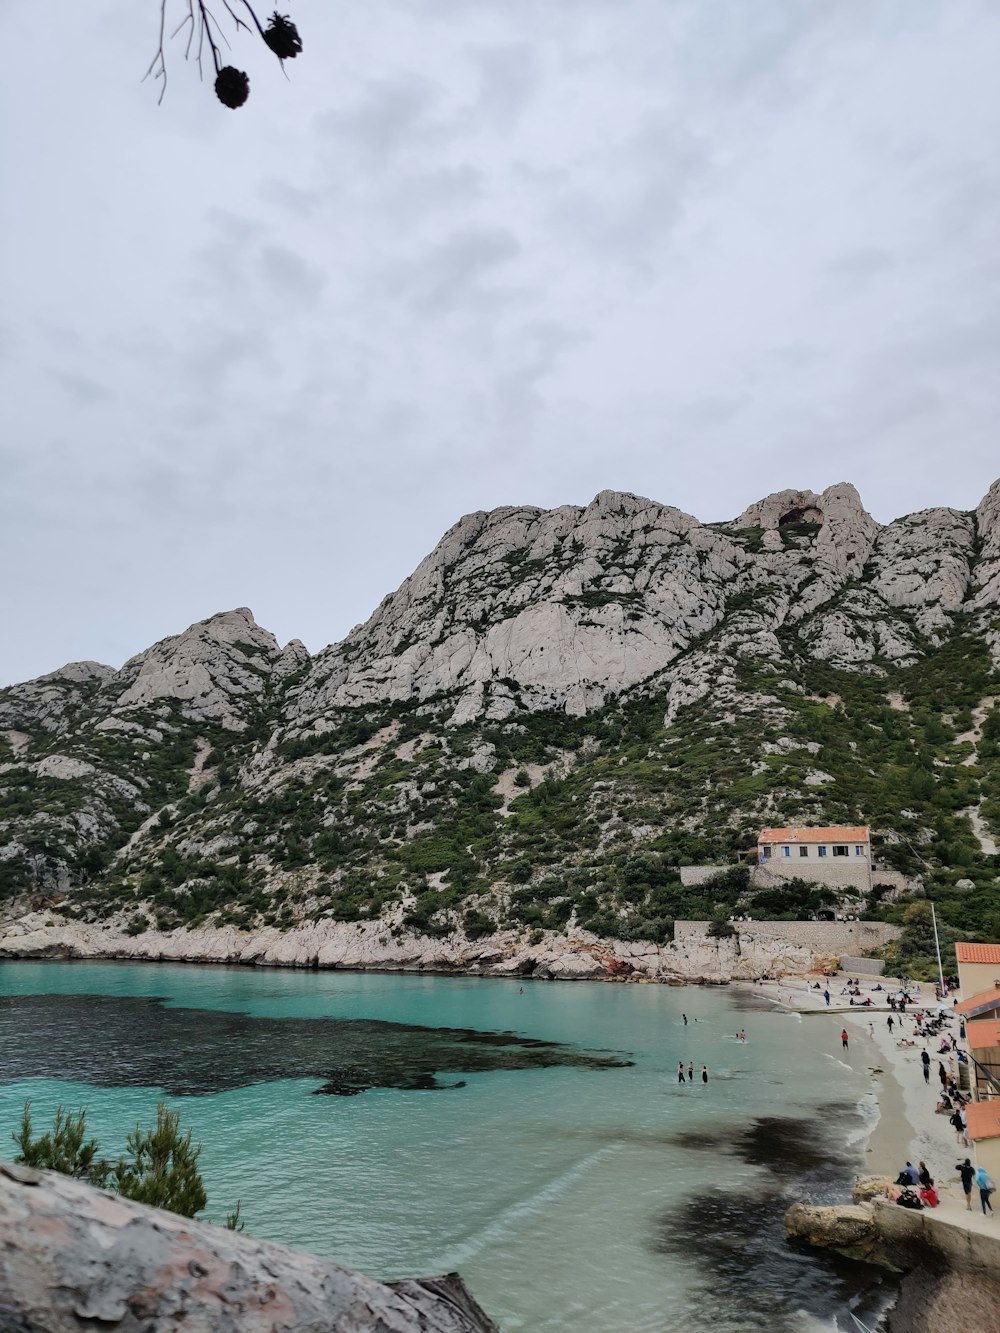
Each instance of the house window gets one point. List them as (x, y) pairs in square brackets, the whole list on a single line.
[(767, 852), (803, 851), (840, 851), (786, 851), (822, 851), (859, 850)]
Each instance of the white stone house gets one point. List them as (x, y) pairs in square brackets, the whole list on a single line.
[(838, 856)]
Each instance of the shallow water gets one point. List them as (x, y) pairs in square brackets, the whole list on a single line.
[(568, 1176)]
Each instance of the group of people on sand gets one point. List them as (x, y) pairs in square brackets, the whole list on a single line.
[(972, 1177), (690, 1072), (911, 1177), (952, 1102)]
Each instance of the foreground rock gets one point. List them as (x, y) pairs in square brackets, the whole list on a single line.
[(74, 1257), (951, 1273)]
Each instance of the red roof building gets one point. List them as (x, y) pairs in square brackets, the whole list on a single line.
[(978, 953), (982, 1005), (983, 1119)]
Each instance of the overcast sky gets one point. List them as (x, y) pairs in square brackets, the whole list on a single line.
[(473, 253)]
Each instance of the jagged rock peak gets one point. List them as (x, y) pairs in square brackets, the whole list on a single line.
[(780, 508), (214, 669), (81, 673)]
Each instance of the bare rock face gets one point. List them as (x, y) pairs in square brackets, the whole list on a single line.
[(923, 562), (533, 608), (216, 670), (74, 1257), (783, 507), (51, 702), (528, 609)]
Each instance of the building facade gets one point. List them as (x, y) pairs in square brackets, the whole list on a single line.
[(838, 856), (979, 980), (978, 968)]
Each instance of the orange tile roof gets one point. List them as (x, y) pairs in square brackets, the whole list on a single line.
[(983, 1034), (977, 953), (813, 835), (983, 1119), (985, 1000)]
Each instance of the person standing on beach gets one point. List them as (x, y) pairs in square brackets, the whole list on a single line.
[(704, 1073), (685, 1017), (890, 1024), (826, 996), (968, 1173), (942, 1074), (680, 1071), (843, 1038), (986, 1188), (925, 1060), (957, 1122)]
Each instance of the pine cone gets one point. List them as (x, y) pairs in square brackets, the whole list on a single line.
[(282, 36), (232, 87)]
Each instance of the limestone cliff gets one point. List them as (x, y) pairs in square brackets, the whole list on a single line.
[(554, 710)]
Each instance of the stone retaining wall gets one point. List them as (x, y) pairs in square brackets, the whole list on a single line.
[(872, 967), (823, 938)]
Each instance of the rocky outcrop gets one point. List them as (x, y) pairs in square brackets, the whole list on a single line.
[(881, 1232), (848, 1228), (866, 1188), (216, 671), (75, 1257), (52, 703)]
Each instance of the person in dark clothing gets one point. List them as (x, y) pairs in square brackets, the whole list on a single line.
[(968, 1173), (925, 1177), (690, 1071), (826, 996), (680, 1071), (704, 1073), (942, 1075), (889, 1022), (925, 1060)]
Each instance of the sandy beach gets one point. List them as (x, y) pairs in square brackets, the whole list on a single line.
[(908, 1128)]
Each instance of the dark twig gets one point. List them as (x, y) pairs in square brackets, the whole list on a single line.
[(158, 65), (206, 22), (204, 27)]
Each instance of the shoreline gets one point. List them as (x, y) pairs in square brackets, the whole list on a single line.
[(753, 950), (909, 1129)]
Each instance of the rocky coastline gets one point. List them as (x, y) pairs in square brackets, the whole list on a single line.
[(950, 1273), (697, 958)]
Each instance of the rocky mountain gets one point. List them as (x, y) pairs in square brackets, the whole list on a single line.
[(549, 716)]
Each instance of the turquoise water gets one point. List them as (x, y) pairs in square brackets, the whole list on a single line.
[(569, 1198)]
